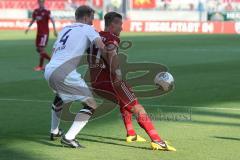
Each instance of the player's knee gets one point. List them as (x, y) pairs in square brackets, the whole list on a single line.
[(138, 109), (57, 104), (87, 110), (91, 103)]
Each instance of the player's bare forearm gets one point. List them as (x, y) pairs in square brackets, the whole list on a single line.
[(54, 27), (114, 63), (109, 54), (30, 24), (115, 69)]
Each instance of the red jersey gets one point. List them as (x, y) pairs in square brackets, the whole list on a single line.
[(42, 16), (100, 74), (97, 64)]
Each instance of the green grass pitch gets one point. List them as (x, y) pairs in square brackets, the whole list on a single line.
[(207, 73)]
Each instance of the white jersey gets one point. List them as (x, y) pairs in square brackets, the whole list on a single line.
[(72, 42)]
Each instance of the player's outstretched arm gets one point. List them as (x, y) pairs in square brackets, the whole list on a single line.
[(54, 26), (30, 24)]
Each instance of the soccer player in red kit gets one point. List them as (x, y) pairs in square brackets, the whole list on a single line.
[(106, 80), (42, 16)]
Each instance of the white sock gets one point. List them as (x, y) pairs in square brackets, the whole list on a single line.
[(80, 121), (55, 122), (56, 117)]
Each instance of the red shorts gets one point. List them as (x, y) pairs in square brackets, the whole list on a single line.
[(41, 40), (120, 94)]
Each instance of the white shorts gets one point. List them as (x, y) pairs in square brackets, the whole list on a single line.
[(70, 88)]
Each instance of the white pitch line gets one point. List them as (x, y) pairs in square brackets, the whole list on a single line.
[(24, 100), (151, 105)]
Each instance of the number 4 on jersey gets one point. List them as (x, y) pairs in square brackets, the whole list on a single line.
[(64, 38)]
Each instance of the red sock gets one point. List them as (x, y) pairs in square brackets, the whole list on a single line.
[(145, 122), (127, 119), (46, 56), (41, 61)]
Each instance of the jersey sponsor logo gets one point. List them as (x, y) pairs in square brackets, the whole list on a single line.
[(38, 18)]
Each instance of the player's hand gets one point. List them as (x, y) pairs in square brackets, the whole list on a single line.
[(55, 33)]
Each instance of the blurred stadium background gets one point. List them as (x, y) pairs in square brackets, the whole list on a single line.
[(183, 16)]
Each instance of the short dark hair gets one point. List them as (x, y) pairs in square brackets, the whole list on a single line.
[(82, 11), (110, 16)]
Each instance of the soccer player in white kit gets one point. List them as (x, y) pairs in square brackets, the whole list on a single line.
[(63, 78)]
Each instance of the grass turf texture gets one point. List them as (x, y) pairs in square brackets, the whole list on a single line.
[(206, 70)]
